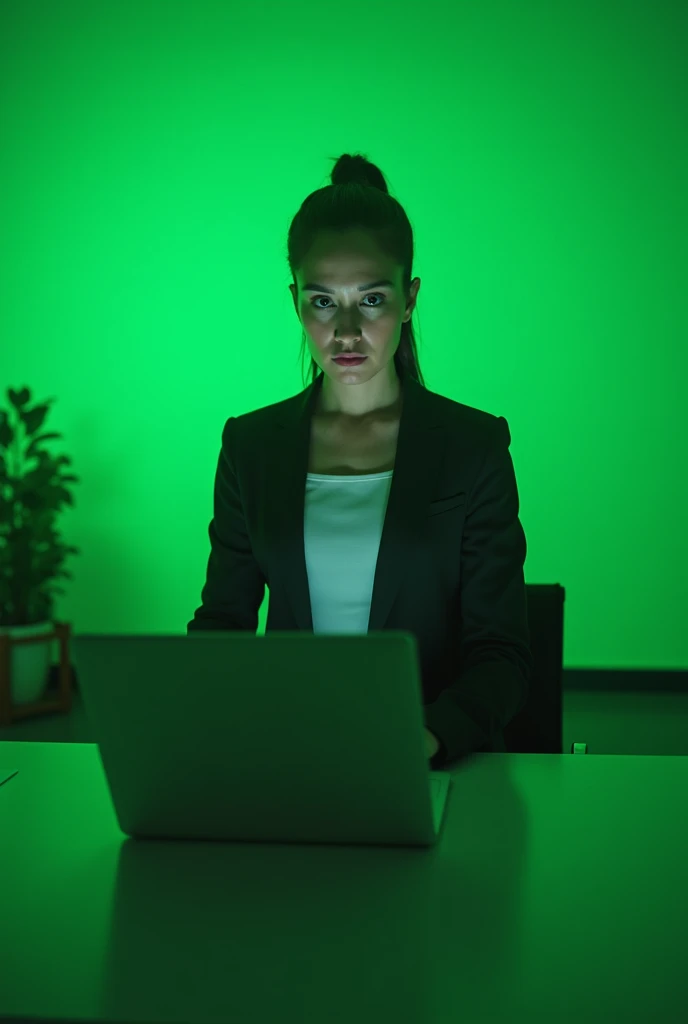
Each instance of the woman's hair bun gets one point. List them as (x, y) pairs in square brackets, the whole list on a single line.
[(357, 169)]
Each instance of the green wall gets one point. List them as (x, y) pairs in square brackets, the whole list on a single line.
[(153, 156)]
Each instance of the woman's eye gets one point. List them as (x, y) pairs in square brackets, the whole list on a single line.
[(373, 295)]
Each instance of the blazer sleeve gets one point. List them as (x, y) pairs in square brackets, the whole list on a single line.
[(235, 586), (496, 661)]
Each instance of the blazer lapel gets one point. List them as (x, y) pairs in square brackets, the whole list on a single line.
[(421, 446)]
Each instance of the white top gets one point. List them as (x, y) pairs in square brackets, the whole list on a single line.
[(343, 521)]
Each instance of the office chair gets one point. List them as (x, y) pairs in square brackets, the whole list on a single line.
[(537, 728)]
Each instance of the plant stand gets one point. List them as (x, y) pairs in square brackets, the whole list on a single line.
[(62, 703)]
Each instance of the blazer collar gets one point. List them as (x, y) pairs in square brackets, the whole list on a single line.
[(421, 446)]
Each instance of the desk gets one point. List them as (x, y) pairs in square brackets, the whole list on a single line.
[(558, 892)]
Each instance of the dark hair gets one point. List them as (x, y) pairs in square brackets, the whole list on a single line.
[(358, 198)]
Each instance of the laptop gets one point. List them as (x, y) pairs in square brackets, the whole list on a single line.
[(291, 737)]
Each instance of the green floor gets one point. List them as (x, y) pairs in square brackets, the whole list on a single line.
[(610, 723)]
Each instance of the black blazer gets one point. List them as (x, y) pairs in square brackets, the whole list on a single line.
[(450, 562)]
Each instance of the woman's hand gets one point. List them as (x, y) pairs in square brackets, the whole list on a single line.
[(432, 743)]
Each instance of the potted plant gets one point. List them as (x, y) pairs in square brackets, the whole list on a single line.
[(32, 554)]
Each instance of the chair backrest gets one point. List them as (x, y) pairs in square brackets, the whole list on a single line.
[(537, 728)]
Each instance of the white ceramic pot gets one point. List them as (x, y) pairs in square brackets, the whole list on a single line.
[(29, 663)]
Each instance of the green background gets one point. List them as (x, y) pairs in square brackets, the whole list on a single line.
[(153, 156)]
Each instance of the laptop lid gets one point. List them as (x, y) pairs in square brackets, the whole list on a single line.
[(287, 737)]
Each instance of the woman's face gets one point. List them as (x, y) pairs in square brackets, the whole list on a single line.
[(339, 315)]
